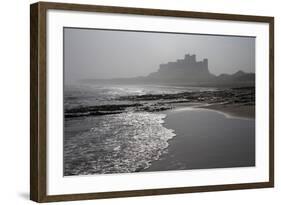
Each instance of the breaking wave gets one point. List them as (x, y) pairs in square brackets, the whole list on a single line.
[(119, 143)]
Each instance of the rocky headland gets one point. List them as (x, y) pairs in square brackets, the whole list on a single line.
[(187, 71)]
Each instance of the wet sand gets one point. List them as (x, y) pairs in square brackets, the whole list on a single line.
[(206, 139), (236, 110)]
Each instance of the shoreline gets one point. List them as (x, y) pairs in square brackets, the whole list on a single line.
[(227, 100), (233, 110)]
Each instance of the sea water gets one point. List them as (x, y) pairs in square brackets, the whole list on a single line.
[(117, 143)]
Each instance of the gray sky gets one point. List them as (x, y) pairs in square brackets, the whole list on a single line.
[(90, 53)]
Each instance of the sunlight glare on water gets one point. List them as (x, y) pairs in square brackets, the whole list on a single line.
[(122, 143)]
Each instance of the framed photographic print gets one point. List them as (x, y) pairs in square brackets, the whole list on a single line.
[(134, 102)]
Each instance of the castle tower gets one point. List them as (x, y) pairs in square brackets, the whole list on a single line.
[(186, 57), (205, 64), (193, 58)]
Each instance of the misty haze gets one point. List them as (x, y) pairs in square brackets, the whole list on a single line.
[(148, 101)]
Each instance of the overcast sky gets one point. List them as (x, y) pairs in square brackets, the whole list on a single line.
[(90, 53)]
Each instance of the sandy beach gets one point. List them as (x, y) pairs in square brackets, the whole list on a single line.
[(207, 138)]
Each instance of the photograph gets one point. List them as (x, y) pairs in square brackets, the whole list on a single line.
[(149, 101)]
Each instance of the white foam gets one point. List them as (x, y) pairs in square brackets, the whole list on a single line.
[(119, 143)]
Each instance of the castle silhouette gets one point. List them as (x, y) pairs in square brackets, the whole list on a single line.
[(187, 68)]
